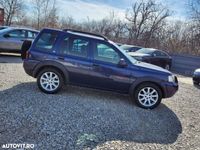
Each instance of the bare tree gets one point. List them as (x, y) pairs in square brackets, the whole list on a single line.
[(145, 18), (45, 13), (12, 8), (195, 27)]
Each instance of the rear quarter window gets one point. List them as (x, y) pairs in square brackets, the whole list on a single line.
[(46, 41)]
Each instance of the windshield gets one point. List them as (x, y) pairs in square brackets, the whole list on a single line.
[(131, 59), (145, 51)]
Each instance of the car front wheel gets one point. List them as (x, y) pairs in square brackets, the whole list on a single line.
[(148, 96), (49, 81)]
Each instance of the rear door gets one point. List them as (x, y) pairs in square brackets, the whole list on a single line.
[(74, 55), (105, 72)]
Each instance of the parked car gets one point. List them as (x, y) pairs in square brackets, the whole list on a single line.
[(72, 57), (3, 27), (11, 38), (153, 56), (196, 77), (130, 48)]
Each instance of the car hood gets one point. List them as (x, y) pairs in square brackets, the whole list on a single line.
[(135, 54), (151, 67)]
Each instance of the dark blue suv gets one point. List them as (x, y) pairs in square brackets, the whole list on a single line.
[(59, 57)]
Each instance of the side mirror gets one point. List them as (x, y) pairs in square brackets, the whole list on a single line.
[(6, 35), (122, 63)]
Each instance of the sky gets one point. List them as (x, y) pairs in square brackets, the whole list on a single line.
[(97, 9)]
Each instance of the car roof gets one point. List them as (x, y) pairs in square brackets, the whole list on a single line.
[(79, 33)]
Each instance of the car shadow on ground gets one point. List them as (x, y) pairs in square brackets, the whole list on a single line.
[(10, 58), (76, 118)]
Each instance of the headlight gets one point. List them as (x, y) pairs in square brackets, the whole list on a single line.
[(171, 78)]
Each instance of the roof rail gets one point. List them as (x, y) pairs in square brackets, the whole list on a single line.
[(93, 34)]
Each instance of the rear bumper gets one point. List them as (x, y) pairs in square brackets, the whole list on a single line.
[(29, 66)]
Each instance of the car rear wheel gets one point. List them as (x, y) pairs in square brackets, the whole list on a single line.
[(50, 81), (148, 96)]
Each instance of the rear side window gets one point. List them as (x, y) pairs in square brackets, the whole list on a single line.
[(46, 41), (74, 47)]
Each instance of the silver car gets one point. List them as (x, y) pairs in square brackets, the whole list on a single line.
[(11, 38)]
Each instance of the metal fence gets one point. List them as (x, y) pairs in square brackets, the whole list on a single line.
[(184, 64)]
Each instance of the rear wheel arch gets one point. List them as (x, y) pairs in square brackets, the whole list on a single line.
[(56, 66)]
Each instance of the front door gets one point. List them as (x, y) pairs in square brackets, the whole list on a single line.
[(105, 72)]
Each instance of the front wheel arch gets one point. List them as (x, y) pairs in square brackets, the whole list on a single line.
[(135, 86)]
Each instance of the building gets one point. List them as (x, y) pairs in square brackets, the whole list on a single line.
[(1, 16)]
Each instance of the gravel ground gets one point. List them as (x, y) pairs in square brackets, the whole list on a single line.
[(81, 118)]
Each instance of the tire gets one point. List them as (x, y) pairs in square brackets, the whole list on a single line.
[(145, 100), (25, 46), (50, 81)]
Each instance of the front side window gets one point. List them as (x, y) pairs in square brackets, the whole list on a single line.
[(46, 41), (106, 53), (17, 34)]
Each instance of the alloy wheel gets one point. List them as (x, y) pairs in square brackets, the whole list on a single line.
[(148, 96), (49, 81)]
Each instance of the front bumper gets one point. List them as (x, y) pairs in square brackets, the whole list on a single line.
[(170, 88)]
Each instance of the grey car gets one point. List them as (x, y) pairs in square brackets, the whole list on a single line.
[(11, 38)]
